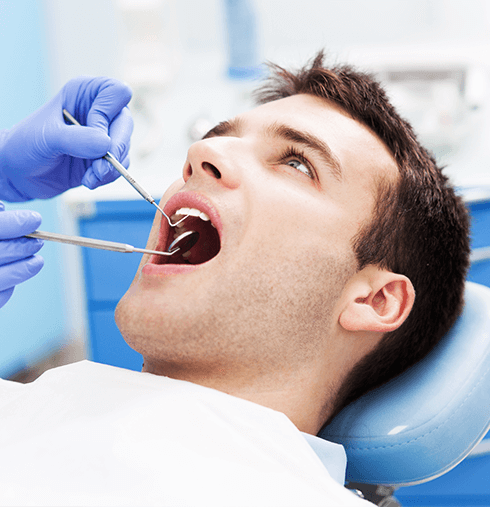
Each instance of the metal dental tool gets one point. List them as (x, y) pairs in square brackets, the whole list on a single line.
[(183, 243), (125, 174)]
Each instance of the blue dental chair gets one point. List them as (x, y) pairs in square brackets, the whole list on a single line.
[(423, 423)]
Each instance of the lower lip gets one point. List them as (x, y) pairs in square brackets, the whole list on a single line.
[(168, 269)]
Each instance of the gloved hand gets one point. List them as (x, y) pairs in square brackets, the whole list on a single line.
[(43, 156), (17, 260)]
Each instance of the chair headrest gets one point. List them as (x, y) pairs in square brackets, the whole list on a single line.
[(422, 423)]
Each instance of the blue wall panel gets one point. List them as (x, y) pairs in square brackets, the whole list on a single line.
[(107, 344), (109, 274)]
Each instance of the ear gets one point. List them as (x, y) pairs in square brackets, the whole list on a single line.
[(376, 300)]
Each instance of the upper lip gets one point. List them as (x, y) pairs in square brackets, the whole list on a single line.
[(187, 199)]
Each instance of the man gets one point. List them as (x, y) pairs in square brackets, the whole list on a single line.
[(327, 238), (329, 213)]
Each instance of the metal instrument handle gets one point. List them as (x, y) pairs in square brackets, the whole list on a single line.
[(77, 240)]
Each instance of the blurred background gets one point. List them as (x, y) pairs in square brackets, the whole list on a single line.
[(192, 63)]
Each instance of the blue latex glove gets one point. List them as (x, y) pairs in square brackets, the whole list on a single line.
[(17, 260), (43, 156)]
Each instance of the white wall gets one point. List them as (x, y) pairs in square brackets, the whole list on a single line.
[(289, 27)]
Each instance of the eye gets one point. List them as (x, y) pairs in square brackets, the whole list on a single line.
[(295, 159), (297, 164)]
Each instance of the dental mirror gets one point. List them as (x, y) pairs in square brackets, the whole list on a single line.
[(184, 242)]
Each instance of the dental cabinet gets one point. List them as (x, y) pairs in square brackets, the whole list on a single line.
[(109, 274)]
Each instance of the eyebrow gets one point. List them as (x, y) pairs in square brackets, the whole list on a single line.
[(234, 127), (225, 128)]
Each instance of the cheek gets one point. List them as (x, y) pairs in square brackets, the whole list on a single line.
[(283, 302), (309, 235), (302, 215), (301, 277)]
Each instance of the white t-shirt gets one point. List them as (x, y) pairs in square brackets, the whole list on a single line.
[(88, 434)]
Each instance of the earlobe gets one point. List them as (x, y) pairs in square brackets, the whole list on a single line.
[(376, 300)]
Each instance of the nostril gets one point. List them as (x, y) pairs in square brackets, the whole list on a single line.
[(210, 168)]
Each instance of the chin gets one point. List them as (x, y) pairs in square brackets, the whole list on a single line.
[(158, 326)]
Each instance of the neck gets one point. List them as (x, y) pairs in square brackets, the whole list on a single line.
[(292, 393)]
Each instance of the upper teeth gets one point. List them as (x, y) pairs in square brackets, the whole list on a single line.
[(193, 212)]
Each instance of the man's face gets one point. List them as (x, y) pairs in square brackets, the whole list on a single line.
[(287, 186)]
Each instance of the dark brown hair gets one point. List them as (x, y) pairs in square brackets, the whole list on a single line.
[(420, 227)]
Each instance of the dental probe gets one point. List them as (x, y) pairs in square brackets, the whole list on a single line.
[(183, 242), (125, 174)]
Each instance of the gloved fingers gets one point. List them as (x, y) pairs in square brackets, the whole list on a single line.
[(90, 179), (18, 223), (5, 295), (79, 142), (99, 173), (12, 250), (112, 96), (90, 143), (95, 101), (120, 130), (17, 272), (125, 162)]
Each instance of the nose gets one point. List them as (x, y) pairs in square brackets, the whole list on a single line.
[(217, 158)]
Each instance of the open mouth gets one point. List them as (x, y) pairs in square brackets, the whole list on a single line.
[(208, 245)]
